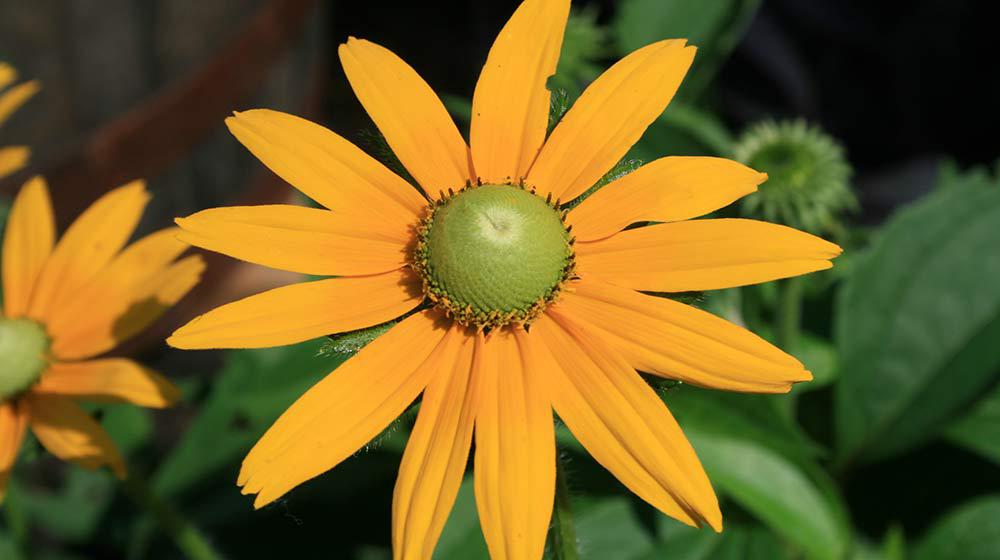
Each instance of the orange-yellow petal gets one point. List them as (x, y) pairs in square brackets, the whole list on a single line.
[(619, 419), (510, 107), (126, 278), (673, 340), (12, 99), (327, 168), (108, 380), (609, 118), (345, 410), (669, 189), (409, 114), (703, 255), (12, 427), (27, 244), (303, 311), (139, 304), (8, 75), (515, 451), (67, 432), (296, 238), (438, 450), (13, 158), (87, 247)]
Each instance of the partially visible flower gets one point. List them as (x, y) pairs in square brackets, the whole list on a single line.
[(13, 158), (66, 303), (808, 184)]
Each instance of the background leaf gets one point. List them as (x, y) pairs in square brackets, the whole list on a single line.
[(971, 532), (918, 321), (755, 456), (252, 390), (979, 430)]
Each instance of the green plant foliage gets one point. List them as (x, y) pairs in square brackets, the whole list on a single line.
[(714, 26), (585, 44), (971, 532), (761, 460), (253, 389), (979, 430), (917, 322)]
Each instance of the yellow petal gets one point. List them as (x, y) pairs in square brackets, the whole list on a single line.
[(8, 75), (510, 108), (126, 279), (345, 410), (673, 340), (409, 114), (299, 312), (438, 450), (703, 255), (669, 189), (13, 158), (12, 99), (67, 432), (515, 451), (327, 168), (139, 305), (619, 419), (108, 380), (87, 247), (609, 118), (12, 427), (295, 238), (27, 244)]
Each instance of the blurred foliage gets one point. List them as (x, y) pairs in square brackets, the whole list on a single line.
[(901, 337), (918, 321)]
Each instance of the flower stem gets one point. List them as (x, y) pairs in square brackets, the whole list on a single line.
[(789, 314), (187, 538), (562, 536)]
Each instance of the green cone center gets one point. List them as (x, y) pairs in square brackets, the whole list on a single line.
[(494, 254), (23, 350)]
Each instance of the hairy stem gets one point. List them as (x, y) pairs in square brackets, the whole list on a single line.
[(562, 536)]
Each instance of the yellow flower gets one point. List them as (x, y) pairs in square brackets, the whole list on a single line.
[(14, 157), (507, 316), (66, 303)]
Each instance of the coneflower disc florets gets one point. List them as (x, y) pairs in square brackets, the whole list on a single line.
[(24, 349), (492, 255)]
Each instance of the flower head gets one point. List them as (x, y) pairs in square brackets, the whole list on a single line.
[(809, 177), (512, 307), (66, 303), (13, 158)]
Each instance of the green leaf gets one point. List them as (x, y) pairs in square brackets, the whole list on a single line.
[(350, 343), (253, 389), (8, 547), (737, 542), (462, 537), (775, 490), (72, 511), (754, 418), (820, 357), (714, 26), (611, 529), (917, 323), (641, 22), (585, 43), (760, 459), (979, 430), (971, 532), (702, 126)]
